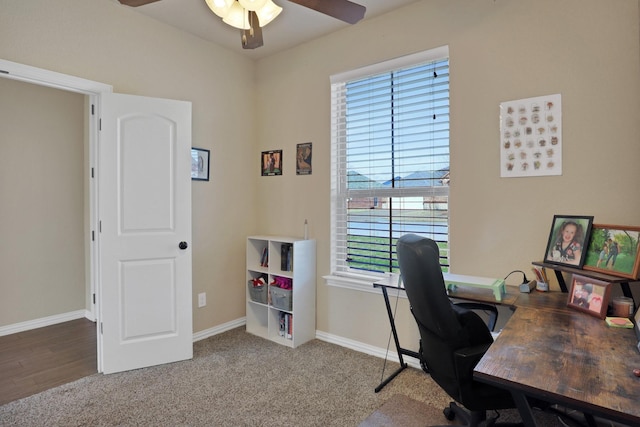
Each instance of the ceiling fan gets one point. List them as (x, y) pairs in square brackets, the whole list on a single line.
[(246, 14)]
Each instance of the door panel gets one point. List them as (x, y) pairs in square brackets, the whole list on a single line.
[(145, 212), (139, 282), (147, 173)]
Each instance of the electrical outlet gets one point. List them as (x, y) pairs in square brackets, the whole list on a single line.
[(202, 299)]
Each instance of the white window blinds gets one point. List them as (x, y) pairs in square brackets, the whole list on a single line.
[(390, 159)]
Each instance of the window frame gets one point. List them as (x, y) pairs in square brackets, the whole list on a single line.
[(357, 279)]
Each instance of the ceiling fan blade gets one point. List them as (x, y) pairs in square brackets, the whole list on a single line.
[(343, 10), (136, 3)]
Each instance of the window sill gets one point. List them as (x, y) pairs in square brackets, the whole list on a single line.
[(359, 283)]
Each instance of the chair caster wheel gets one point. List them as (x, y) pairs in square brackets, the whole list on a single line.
[(449, 414)]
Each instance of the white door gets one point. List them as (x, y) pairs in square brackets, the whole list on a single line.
[(144, 206)]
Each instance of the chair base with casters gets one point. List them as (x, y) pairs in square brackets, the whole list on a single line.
[(473, 418)]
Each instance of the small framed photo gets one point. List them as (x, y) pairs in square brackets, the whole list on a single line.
[(567, 239), (613, 249), (589, 295), (199, 164), (271, 163), (303, 158)]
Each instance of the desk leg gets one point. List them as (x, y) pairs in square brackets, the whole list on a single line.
[(524, 409), (626, 291), (403, 365), (560, 277)]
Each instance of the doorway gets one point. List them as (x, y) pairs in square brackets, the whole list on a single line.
[(88, 123), (42, 164)]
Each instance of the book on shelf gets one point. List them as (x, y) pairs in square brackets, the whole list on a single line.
[(264, 258), (286, 325), (286, 256), (282, 324)]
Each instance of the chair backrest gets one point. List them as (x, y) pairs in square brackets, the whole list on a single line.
[(444, 328)]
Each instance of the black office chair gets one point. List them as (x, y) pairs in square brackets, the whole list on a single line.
[(453, 338)]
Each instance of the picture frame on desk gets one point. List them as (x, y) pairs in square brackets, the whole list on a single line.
[(568, 239), (613, 249), (589, 295)]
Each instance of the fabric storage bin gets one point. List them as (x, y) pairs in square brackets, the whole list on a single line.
[(281, 298), (257, 293)]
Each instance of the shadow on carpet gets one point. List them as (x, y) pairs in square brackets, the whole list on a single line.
[(403, 411)]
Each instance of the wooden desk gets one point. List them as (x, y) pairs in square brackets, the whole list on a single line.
[(543, 300), (567, 357)]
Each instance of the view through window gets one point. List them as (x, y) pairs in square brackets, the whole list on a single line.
[(390, 152)]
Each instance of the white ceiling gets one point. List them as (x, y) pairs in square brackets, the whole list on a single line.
[(296, 24)]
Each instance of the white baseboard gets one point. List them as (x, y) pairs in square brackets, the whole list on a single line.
[(79, 314), (44, 321), (366, 348), (219, 329)]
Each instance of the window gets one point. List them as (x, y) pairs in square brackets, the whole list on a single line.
[(390, 160)]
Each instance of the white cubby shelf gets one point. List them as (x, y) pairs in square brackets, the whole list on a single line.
[(266, 312)]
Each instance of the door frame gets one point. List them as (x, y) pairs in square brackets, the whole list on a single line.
[(92, 90)]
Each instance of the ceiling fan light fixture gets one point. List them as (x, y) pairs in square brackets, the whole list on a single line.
[(237, 17), (220, 7), (268, 12), (253, 5)]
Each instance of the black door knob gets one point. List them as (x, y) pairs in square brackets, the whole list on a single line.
[(183, 245)]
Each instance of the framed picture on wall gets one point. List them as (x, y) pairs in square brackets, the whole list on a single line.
[(303, 158), (613, 249), (199, 164), (271, 163), (567, 239), (589, 295)]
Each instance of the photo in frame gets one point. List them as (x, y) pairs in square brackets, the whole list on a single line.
[(303, 158), (613, 249), (271, 163), (568, 239), (199, 164), (589, 295)]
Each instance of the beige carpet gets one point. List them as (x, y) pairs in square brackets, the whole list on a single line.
[(237, 379)]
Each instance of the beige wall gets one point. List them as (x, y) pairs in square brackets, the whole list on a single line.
[(102, 41), (42, 270), (587, 50)]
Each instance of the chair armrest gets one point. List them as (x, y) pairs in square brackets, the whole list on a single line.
[(492, 309), (465, 359)]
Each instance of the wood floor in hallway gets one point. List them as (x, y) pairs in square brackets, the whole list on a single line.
[(43, 358)]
